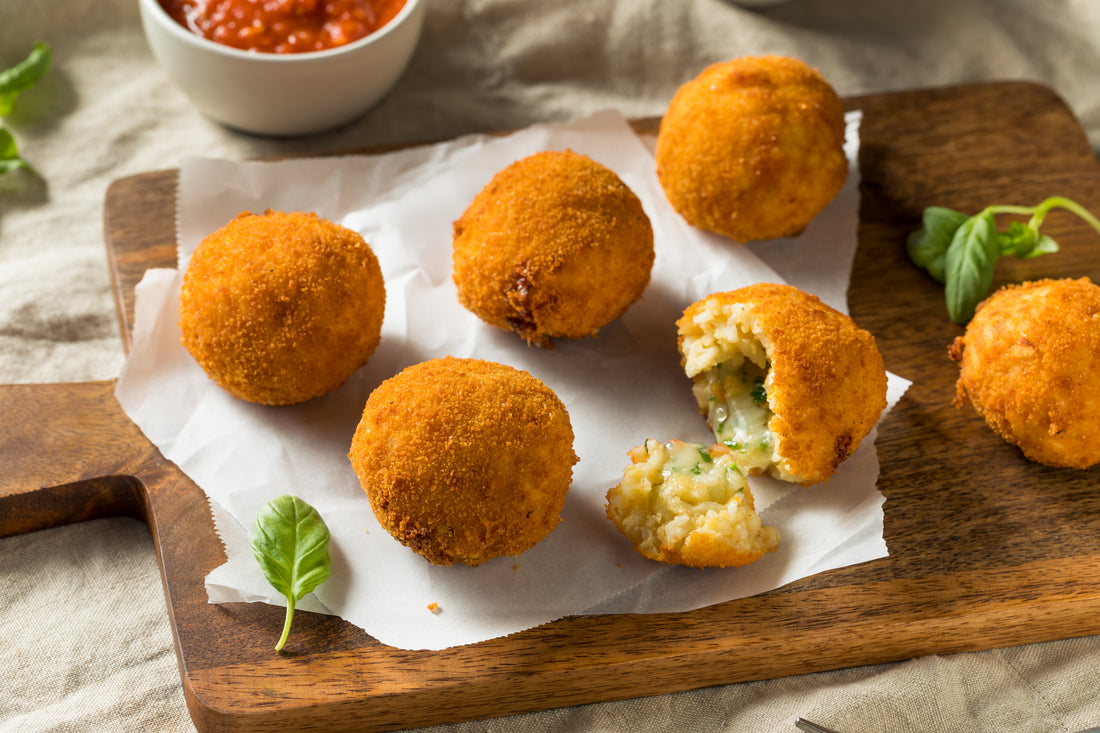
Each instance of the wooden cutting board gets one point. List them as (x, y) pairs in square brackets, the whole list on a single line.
[(986, 549)]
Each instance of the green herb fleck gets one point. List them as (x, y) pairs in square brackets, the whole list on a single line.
[(759, 397), (290, 542)]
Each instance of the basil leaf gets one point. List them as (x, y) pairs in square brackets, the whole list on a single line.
[(961, 252), (969, 264), (1019, 239), (9, 153), (290, 542), (23, 76), (928, 245), (1044, 245)]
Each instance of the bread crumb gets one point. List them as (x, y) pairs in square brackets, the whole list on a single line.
[(434, 608)]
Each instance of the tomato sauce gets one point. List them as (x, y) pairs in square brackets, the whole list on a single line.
[(282, 26)]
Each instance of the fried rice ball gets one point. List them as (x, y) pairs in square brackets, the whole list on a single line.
[(790, 385), (278, 308), (752, 148), (1030, 365), (464, 460), (689, 504), (554, 246)]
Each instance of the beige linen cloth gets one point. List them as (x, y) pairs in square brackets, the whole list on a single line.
[(84, 637)]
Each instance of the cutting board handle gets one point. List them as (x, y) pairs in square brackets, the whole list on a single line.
[(69, 453)]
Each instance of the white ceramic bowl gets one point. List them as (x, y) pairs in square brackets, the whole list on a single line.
[(283, 94)]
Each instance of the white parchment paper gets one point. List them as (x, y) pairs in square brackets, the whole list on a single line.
[(620, 387)]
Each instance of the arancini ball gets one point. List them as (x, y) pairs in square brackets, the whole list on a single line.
[(689, 504), (464, 460), (554, 246), (1029, 363), (278, 308), (789, 384), (752, 148)]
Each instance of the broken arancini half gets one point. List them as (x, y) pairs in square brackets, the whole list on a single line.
[(689, 504), (789, 384)]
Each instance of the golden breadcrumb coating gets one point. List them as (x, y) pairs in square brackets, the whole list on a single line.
[(752, 148), (464, 460), (689, 504), (278, 308), (788, 383), (554, 246), (1029, 363)]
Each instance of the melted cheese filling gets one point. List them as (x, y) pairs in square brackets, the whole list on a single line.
[(737, 412), (729, 366), (712, 476), (689, 503), (688, 490)]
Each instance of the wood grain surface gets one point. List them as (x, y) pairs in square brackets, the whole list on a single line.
[(986, 549)]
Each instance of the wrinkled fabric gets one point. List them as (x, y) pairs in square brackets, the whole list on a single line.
[(84, 635)]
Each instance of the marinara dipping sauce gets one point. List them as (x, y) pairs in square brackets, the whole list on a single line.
[(282, 26)]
